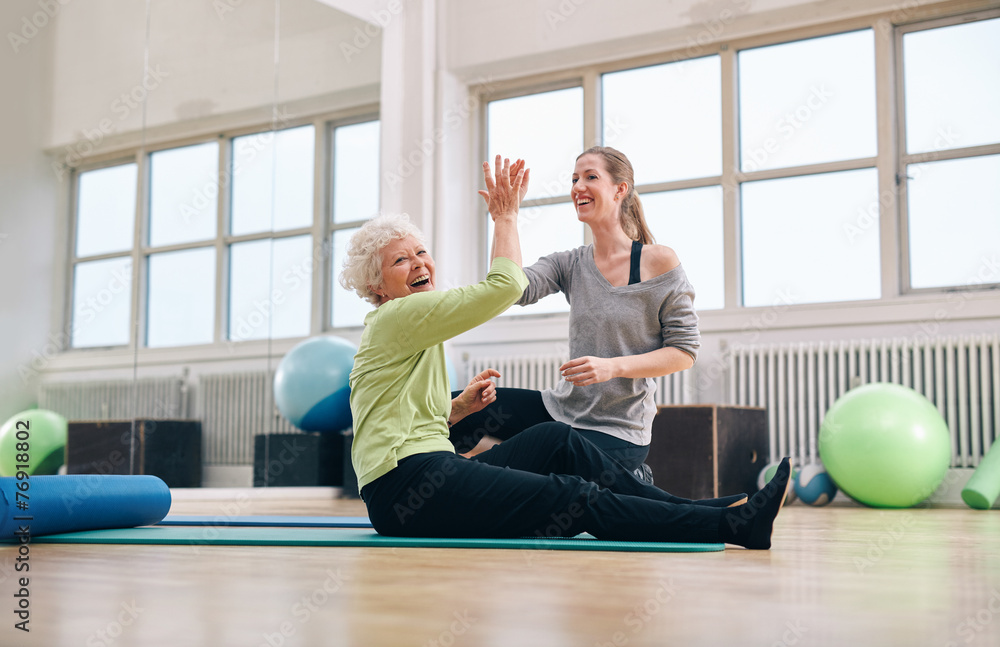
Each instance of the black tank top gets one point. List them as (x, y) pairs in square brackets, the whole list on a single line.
[(633, 273)]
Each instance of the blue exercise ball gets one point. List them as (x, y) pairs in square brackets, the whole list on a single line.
[(814, 486), (311, 384)]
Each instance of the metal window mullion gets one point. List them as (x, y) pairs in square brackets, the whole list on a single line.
[(266, 235), (899, 159), (68, 312), (222, 220), (809, 169), (320, 304), (140, 286), (179, 247), (679, 185), (950, 154), (593, 126), (887, 161), (731, 238)]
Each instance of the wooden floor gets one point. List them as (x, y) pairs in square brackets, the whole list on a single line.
[(835, 576)]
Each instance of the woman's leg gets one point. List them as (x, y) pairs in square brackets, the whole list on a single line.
[(629, 455), (440, 494), (512, 412), (555, 447)]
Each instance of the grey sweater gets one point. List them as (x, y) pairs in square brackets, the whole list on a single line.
[(608, 321)]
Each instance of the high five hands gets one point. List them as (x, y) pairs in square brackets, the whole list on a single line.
[(506, 187)]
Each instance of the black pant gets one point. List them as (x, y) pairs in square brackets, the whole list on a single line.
[(547, 481), (515, 410)]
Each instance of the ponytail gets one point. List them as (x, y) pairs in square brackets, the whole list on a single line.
[(633, 220)]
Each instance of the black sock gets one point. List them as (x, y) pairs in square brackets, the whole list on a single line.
[(750, 525), (722, 501)]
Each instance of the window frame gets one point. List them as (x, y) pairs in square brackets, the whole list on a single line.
[(904, 159), (320, 231), (887, 28)]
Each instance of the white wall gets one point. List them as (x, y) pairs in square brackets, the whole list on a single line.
[(30, 230), (207, 59)]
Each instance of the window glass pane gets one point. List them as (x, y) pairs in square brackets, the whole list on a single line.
[(274, 167), (184, 189), (954, 222), (667, 119), (952, 86), (105, 213), (807, 102), (102, 303), (356, 172), (348, 308), (546, 130), (181, 298), (542, 231), (690, 222), (811, 239), (269, 296)]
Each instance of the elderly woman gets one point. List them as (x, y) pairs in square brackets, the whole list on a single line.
[(546, 481)]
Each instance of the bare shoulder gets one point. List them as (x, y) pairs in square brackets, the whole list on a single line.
[(661, 259)]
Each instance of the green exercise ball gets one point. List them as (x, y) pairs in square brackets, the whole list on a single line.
[(45, 434), (885, 445)]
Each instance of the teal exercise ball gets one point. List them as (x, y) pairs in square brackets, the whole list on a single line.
[(36, 438), (814, 486), (885, 445), (311, 384)]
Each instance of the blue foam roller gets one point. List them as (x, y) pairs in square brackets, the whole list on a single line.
[(76, 502)]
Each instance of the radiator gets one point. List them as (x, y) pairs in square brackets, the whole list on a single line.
[(153, 398), (542, 372), (235, 407), (797, 383)]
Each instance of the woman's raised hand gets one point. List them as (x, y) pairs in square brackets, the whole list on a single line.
[(505, 187)]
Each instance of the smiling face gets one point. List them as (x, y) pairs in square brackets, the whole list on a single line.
[(407, 268), (594, 190)]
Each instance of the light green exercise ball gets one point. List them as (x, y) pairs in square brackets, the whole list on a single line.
[(885, 445), (37, 435)]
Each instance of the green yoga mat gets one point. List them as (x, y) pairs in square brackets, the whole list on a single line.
[(247, 536)]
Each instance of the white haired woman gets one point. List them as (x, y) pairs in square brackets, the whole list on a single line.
[(546, 481)]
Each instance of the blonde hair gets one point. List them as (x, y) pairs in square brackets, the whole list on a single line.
[(362, 268), (630, 214)]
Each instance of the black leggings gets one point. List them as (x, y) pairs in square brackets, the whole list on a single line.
[(547, 481), (515, 410)]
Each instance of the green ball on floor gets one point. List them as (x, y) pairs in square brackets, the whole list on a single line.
[(36, 438), (885, 445)]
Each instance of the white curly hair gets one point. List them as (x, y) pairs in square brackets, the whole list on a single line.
[(362, 269)]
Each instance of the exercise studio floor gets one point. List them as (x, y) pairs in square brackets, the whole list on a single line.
[(839, 575)]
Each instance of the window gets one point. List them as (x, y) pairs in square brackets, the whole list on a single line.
[(546, 129), (356, 180), (796, 254), (668, 120), (951, 162), (270, 251), (690, 222), (230, 230), (808, 103), (763, 167), (102, 261)]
